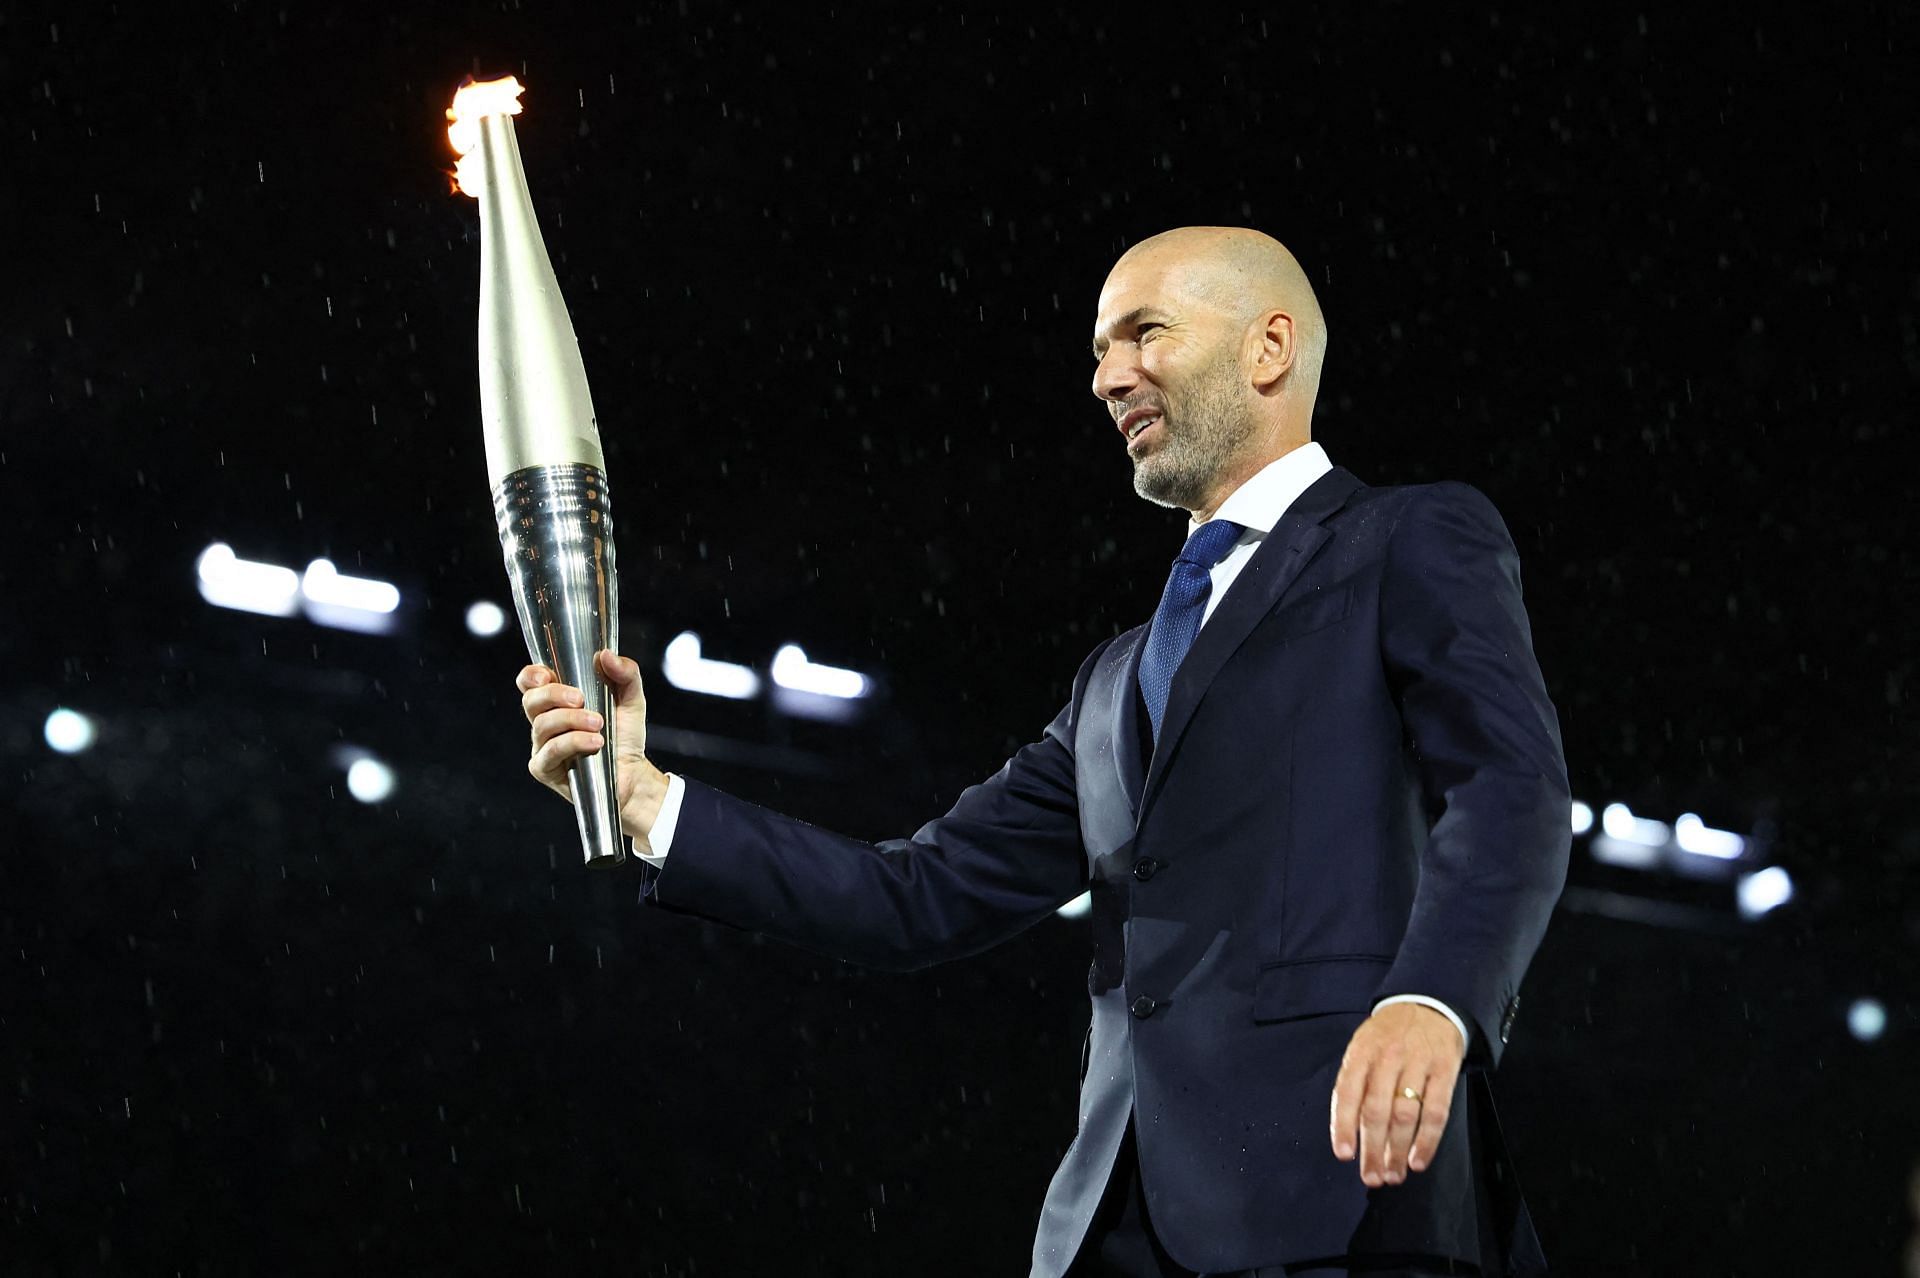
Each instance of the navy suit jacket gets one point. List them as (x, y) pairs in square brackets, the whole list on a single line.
[(1358, 791)]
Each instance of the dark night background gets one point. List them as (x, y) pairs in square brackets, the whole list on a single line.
[(1648, 281)]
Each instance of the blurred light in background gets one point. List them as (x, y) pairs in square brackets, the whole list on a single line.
[(1867, 1019), (1684, 864), (1626, 839), (1620, 823), (227, 581), (369, 780), (1695, 836), (1763, 891), (348, 603), (792, 670), (69, 731), (1078, 908), (485, 619), (813, 691), (331, 597), (325, 584), (687, 670)]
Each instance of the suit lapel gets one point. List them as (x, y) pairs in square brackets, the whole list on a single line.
[(1285, 551), (1125, 718)]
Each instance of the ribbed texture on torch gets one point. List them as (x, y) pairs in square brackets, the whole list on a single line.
[(534, 404)]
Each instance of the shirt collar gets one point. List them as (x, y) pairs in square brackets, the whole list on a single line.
[(1258, 504)]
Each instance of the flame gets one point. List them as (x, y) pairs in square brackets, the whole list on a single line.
[(472, 100)]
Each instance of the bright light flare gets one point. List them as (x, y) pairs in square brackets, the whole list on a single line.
[(485, 619), (369, 780), (687, 670), (228, 581), (1763, 891), (1078, 908), (472, 100), (1867, 1019), (334, 599), (793, 671), (325, 584), (1696, 836), (69, 731), (1582, 817), (1620, 823)]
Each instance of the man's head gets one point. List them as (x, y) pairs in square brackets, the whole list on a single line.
[(1212, 338)]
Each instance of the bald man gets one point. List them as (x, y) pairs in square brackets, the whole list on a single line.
[(1318, 799)]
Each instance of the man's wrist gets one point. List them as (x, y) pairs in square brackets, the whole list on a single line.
[(1434, 1005), (642, 807)]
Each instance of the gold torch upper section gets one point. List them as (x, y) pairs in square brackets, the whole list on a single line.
[(535, 408)]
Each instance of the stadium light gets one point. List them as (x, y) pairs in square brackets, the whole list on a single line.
[(1867, 1019), (1695, 836), (1763, 891), (69, 731), (227, 581), (1620, 823), (331, 598), (348, 603), (792, 670), (485, 619), (325, 584), (687, 670), (369, 780)]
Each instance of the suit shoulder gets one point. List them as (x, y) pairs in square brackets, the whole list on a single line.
[(1398, 497), (1446, 500)]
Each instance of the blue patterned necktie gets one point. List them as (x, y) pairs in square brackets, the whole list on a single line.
[(1177, 620)]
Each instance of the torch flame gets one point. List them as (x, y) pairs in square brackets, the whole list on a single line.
[(472, 100)]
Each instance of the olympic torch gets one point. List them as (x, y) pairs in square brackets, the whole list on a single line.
[(544, 461)]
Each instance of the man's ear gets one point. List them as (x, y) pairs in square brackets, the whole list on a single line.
[(1274, 349)]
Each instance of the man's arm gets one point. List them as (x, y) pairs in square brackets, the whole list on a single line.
[(1007, 854), (1486, 743)]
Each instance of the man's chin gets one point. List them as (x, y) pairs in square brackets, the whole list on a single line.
[(1162, 489)]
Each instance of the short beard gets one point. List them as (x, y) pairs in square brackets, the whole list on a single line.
[(1205, 430)]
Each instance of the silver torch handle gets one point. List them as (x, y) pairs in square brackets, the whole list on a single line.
[(556, 534)]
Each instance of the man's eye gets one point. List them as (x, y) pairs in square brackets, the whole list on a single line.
[(1144, 329)]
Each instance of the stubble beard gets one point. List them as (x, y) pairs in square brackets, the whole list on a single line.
[(1204, 427)]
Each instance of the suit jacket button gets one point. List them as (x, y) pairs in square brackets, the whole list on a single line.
[(1143, 1007), (1145, 868)]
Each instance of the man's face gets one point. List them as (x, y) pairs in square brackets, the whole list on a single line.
[(1170, 373)]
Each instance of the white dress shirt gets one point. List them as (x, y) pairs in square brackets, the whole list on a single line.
[(1257, 505)]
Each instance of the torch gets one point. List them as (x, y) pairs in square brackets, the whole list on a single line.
[(544, 461)]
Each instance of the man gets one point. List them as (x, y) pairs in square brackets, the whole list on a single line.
[(1319, 800)]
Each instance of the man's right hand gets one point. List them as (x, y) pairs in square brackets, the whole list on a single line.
[(565, 731)]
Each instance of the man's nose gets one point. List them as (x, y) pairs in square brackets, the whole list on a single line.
[(1114, 377)]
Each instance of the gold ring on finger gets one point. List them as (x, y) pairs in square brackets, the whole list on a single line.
[(1411, 1095)]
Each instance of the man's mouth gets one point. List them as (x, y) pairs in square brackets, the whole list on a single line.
[(1136, 423)]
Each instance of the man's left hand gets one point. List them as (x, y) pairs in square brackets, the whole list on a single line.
[(1401, 1045)]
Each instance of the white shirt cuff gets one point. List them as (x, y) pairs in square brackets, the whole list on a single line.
[(1423, 1001), (660, 838)]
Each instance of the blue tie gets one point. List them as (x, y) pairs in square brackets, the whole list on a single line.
[(1177, 620)]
